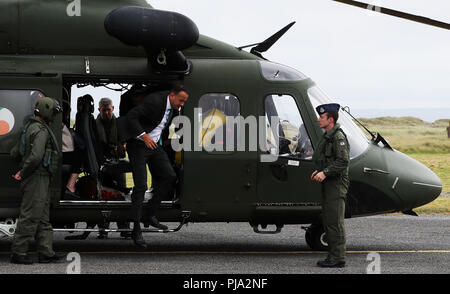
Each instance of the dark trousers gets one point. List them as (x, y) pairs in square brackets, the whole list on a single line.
[(333, 214), (34, 217), (163, 176)]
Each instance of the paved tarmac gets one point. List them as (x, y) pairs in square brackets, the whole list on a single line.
[(405, 244)]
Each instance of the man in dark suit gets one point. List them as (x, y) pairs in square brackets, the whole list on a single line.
[(147, 126)]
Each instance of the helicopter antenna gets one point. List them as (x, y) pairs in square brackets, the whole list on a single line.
[(347, 110), (265, 45), (396, 13)]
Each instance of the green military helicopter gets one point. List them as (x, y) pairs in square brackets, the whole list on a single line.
[(49, 47)]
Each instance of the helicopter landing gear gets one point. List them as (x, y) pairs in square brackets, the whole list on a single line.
[(8, 227), (185, 215), (315, 237)]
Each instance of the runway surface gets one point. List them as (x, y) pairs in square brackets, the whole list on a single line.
[(405, 244)]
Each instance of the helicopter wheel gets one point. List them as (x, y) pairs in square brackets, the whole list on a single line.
[(316, 238)]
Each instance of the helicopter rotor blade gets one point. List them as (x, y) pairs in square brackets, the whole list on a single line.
[(396, 13)]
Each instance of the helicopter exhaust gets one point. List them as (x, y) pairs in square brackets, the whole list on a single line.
[(163, 34)]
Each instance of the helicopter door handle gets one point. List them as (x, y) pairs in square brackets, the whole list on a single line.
[(369, 170), (280, 165)]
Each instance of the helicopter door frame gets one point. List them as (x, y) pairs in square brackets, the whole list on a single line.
[(286, 181), (71, 80), (49, 85)]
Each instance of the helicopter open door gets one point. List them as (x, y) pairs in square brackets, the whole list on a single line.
[(285, 192), (18, 96)]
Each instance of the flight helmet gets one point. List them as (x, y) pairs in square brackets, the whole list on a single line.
[(47, 108)]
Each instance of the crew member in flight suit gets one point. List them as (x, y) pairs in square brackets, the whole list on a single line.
[(40, 154), (332, 159)]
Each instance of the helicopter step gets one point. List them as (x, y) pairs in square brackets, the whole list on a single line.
[(185, 215), (264, 226)]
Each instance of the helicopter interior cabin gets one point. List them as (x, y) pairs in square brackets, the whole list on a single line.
[(102, 176)]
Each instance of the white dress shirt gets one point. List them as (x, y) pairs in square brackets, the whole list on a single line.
[(155, 134)]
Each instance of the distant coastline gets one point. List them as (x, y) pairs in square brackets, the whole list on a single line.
[(425, 114)]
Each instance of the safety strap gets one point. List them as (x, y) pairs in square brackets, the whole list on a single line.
[(22, 138)]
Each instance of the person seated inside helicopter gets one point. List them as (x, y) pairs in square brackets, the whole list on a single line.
[(115, 165), (98, 159), (113, 172), (71, 154)]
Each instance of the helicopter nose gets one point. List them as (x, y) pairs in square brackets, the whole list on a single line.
[(414, 183)]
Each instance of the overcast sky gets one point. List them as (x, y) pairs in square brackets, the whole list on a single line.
[(360, 58), (365, 59)]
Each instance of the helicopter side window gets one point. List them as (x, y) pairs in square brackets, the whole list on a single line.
[(293, 139), (213, 112), (15, 106)]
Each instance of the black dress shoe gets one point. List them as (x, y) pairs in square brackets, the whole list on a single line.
[(138, 239), (155, 223), (55, 258), (21, 259), (331, 263)]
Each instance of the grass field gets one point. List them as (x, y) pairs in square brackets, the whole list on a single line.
[(439, 206), (412, 135), (425, 142), (428, 143)]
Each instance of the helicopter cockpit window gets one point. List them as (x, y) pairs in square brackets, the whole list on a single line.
[(15, 106), (357, 139), (214, 110), (293, 139), (278, 72)]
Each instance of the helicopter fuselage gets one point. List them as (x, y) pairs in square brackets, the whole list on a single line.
[(214, 186)]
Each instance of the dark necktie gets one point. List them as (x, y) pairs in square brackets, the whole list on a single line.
[(169, 117)]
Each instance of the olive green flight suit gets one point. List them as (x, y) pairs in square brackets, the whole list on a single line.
[(39, 161), (332, 157)]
